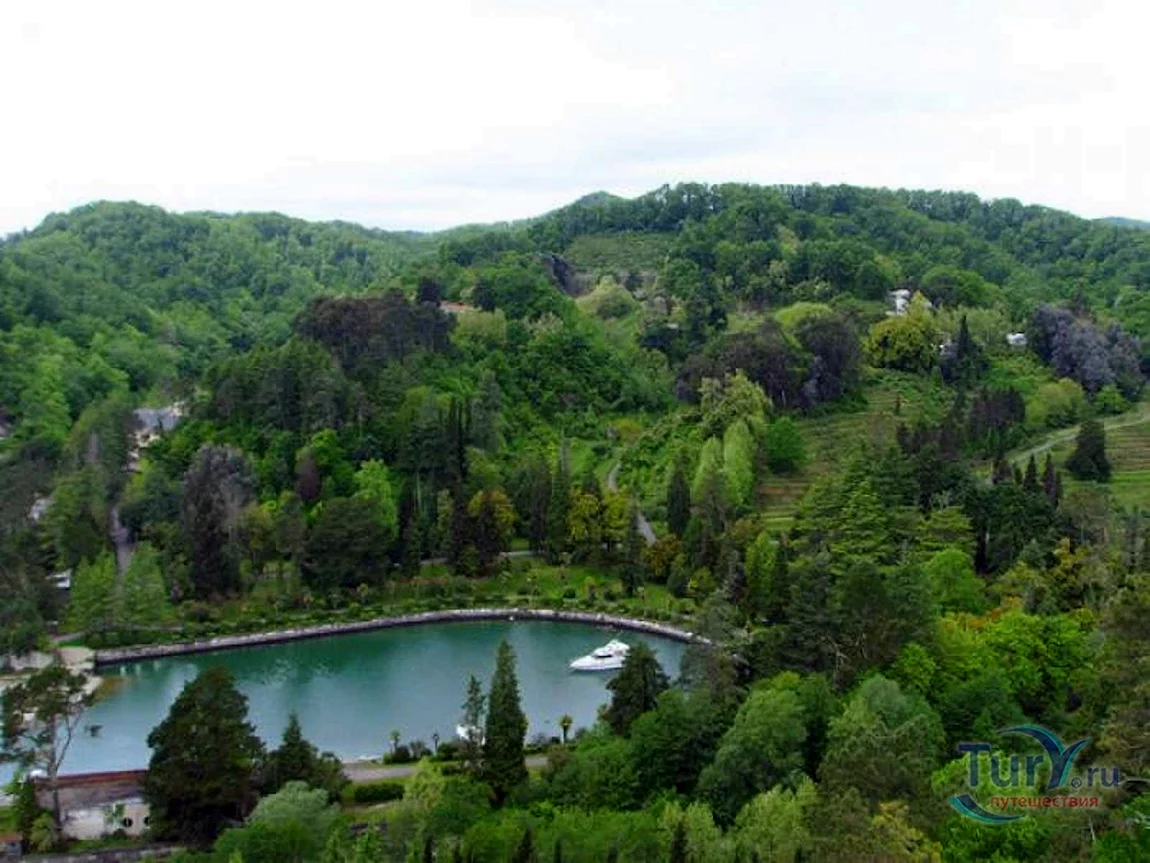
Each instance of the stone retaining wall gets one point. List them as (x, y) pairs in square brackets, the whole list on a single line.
[(229, 642)]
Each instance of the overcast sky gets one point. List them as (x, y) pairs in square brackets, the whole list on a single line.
[(430, 114)]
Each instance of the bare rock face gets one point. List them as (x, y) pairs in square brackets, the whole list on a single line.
[(569, 280)]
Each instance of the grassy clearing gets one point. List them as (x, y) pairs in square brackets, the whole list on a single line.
[(1128, 448), (641, 252), (890, 398)]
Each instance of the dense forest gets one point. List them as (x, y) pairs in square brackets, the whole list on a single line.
[(888, 451)]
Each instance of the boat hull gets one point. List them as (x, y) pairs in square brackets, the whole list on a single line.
[(596, 664)]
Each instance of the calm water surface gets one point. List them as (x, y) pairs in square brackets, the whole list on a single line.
[(350, 691)]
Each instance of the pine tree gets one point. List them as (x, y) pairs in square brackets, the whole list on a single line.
[(92, 604), (1088, 461), (298, 760), (144, 598), (635, 689), (504, 765), (204, 755)]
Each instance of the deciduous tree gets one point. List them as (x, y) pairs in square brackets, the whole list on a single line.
[(41, 715)]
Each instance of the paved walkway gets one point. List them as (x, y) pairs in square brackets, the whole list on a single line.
[(367, 771)]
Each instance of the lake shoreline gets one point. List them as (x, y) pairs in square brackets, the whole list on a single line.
[(122, 655)]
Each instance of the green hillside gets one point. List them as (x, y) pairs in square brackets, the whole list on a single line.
[(795, 420)]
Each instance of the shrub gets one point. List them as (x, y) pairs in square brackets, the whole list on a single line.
[(401, 755), (376, 792), (448, 751)]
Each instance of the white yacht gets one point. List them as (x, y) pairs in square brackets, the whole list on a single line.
[(606, 658)]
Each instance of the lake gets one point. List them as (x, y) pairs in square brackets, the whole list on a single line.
[(351, 691)]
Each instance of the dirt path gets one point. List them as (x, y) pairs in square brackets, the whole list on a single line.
[(1071, 433)]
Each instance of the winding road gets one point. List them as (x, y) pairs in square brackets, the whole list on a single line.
[(645, 528)]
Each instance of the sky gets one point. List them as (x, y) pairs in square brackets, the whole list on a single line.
[(424, 115)]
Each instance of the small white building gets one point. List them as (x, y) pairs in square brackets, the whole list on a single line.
[(1016, 340), (94, 805)]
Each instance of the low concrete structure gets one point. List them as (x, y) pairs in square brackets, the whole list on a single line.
[(229, 642), (93, 805)]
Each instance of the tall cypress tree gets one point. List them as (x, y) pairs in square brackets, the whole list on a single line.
[(632, 549), (1030, 481), (504, 765), (678, 500), (538, 503), (558, 506), (1049, 482)]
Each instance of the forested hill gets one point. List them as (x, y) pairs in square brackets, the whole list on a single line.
[(113, 295), (812, 424), (1123, 222), (122, 296)]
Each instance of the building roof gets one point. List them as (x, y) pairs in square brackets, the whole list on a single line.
[(89, 790)]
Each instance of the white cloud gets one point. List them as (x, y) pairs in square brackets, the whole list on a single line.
[(424, 115)]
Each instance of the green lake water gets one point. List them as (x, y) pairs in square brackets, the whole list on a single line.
[(350, 691)]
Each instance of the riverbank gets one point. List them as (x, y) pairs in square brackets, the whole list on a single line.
[(115, 656)]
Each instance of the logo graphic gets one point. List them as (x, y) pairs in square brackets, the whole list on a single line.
[(1059, 759)]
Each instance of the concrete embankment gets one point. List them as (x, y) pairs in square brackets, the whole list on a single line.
[(229, 642)]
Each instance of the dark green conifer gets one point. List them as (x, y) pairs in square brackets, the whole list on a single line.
[(678, 500), (504, 765), (635, 689), (1088, 461)]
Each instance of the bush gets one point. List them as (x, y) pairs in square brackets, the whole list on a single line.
[(448, 751), (401, 755), (569, 593), (375, 792)]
